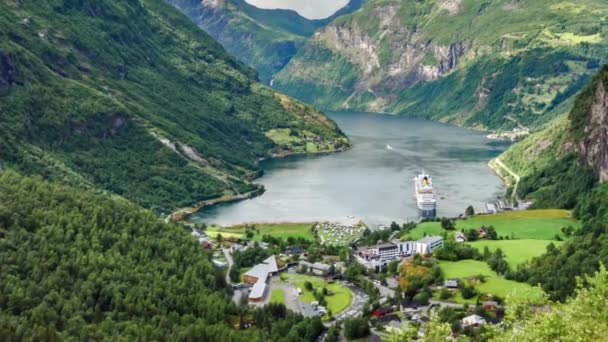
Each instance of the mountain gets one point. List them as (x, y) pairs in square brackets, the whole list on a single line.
[(131, 97), (77, 265), (561, 164), (265, 39), (565, 165), (496, 64)]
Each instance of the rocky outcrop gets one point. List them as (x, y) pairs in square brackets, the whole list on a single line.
[(387, 56), (8, 73), (594, 147)]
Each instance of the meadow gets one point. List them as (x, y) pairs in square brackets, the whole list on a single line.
[(529, 224), (278, 230), (517, 252), (493, 285), (339, 301), (277, 296)]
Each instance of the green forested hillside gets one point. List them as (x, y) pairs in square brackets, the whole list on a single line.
[(265, 39), (490, 64), (83, 266), (131, 97), (565, 166)]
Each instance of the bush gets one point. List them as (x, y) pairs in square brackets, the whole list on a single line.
[(445, 294), (468, 292), (308, 286), (355, 328), (422, 298)]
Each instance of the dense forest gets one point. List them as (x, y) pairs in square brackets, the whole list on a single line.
[(132, 97), (85, 266)]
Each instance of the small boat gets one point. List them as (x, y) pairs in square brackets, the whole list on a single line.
[(389, 147)]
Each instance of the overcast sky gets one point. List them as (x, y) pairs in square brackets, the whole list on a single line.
[(312, 9)]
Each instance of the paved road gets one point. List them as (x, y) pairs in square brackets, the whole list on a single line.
[(509, 171), (447, 305), (359, 300), (228, 256)]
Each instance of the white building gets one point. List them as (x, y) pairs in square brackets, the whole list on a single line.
[(428, 244), (380, 255), (258, 276), (473, 321)]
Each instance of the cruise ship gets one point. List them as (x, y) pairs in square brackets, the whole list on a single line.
[(425, 195)]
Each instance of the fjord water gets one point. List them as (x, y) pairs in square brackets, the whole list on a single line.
[(374, 180)]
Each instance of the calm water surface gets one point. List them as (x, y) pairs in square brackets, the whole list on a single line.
[(374, 180)]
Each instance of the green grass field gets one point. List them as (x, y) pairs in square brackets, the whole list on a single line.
[(277, 296), (428, 228), (494, 284), (517, 251), (278, 230), (530, 224), (340, 300)]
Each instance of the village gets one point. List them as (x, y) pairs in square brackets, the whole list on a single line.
[(391, 277)]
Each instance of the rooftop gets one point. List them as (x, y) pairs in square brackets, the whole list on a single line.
[(261, 270), (257, 291), (430, 239)]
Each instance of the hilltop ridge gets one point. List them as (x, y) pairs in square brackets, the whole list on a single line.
[(132, 98)]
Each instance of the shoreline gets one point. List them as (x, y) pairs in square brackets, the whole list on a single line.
[(182, 215)]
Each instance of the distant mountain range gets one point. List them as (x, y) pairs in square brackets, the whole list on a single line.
[(265, 39), (487, 64)]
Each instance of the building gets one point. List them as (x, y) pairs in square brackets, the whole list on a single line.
[(473, 321), (460, 237), (428, 244), (317, 268), (377, 255), (381, 255), (294, 250), (490, 208), (490, 305), (258, 276), (258, 292), (451, 284), (262, 271)]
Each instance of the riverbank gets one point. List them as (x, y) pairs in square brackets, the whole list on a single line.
[(184, 214)]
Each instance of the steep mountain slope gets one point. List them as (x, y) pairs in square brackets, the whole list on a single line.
[(565, 166), (262, 38), (131, 97), (561, 164), (83, 266), (493, 64)]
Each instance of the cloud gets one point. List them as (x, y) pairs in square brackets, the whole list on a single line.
[(312, 9)]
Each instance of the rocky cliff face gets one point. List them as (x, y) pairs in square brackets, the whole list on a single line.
[(594, 146), (475, 63), (394, 57), (264, 39)]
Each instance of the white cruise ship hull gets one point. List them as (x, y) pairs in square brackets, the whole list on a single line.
[(425, 196)]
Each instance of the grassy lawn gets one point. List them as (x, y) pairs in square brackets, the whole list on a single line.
[(428, 228), (282, 136), (493, 285), (277, 296), (278, 230), (529, 224), (340, 300), (517, 251)]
